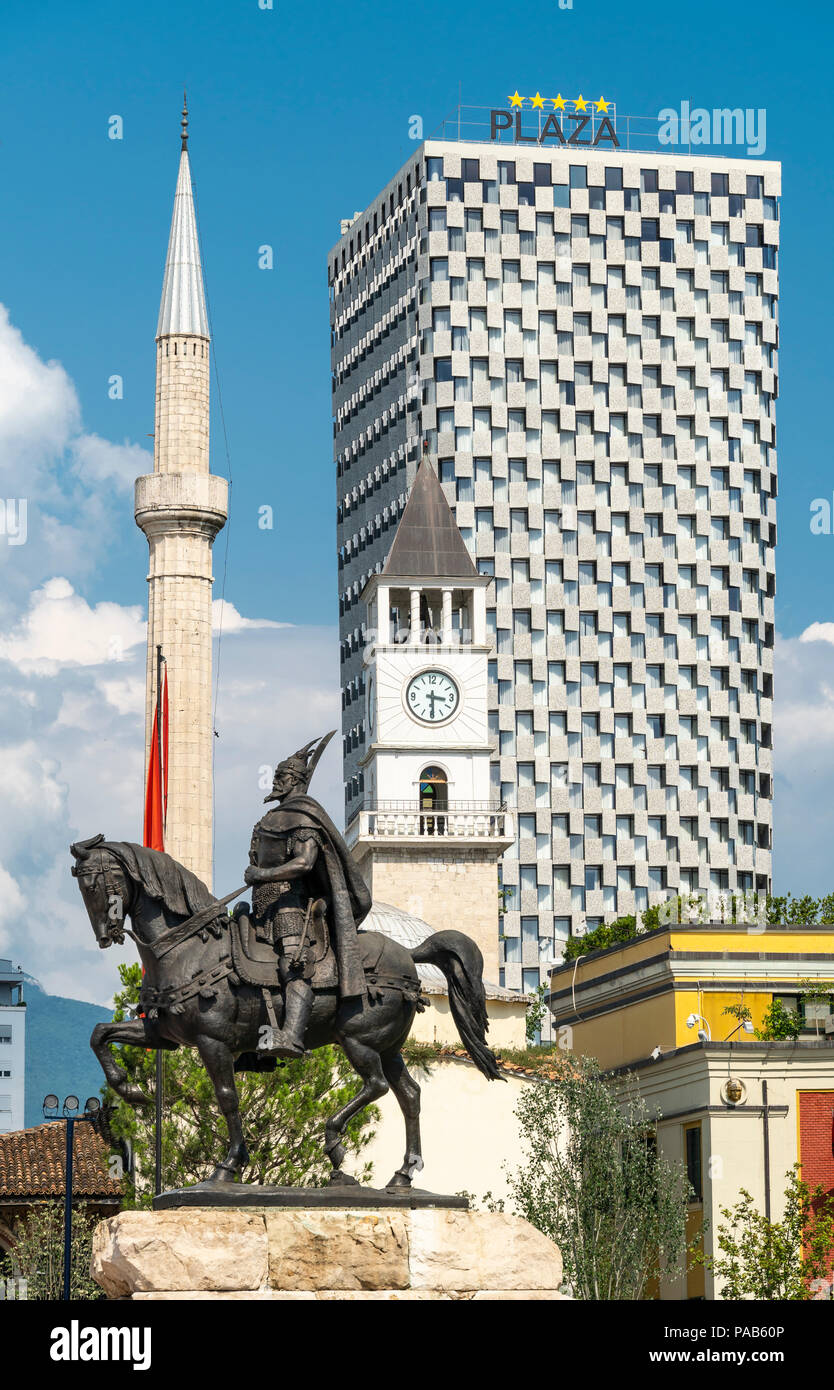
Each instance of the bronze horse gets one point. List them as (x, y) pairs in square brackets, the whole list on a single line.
[(192, 996)]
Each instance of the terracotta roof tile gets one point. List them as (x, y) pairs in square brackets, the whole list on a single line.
[(32, 1163), (543, 1070)]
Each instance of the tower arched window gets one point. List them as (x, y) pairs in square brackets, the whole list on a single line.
[(434, 789), (434, 800)]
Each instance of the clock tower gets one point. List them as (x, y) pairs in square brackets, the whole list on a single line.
[(427, 834)]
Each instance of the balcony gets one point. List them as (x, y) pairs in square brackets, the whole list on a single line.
[(463, 823)]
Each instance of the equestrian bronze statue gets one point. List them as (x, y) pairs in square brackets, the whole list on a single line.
[(293, 972)]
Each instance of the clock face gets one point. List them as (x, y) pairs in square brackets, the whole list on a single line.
[(432, 697)]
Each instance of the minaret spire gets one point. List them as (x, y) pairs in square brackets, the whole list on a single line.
[(181, 506), (182, 308), (184, 121)]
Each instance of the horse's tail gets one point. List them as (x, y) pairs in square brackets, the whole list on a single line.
[(463, 966)]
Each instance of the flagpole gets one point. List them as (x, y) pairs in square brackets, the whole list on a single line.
[(157, 1186)]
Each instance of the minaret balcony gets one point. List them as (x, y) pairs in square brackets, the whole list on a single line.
[(162, 500), (462, 823)]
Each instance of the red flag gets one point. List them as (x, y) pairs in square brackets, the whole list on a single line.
[(156, 792)]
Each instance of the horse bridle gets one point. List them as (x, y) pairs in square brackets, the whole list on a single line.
[(115, 930)]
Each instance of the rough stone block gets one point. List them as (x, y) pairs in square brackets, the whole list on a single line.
[(292, 1254), (142, 1251), (480, 1251), (337, 1249)]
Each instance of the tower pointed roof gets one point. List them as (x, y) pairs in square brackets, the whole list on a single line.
[(183, 305), (428, 543)]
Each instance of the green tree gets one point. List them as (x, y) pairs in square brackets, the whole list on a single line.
[(785, 1260), (778, 1023), (536, 1013), (39, 1252), (593, 1181), (284, 1114)]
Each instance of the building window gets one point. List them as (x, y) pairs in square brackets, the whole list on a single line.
[(434, 789), (692, 1144)]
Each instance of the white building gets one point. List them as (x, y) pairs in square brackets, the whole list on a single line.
[(588, 340), (431, 835), (12, 1047)]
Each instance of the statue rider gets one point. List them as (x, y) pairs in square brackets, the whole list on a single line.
[(308, 898)]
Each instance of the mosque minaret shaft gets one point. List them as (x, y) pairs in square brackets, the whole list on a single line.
[(181, 507)]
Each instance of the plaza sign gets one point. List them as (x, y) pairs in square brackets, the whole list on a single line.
[(564, 123)]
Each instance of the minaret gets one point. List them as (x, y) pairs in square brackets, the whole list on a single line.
[(181, 507)]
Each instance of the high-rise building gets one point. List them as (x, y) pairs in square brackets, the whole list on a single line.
[(587, 339), (181, 506), (12, 1048)]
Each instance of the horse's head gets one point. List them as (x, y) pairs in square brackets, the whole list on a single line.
[(105, 888)]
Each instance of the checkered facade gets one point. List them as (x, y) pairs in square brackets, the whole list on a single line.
[(588, 340)]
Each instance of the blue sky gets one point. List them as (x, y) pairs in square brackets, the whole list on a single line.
[(298, 117)]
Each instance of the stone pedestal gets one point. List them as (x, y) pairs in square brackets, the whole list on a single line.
[(320, 1253)]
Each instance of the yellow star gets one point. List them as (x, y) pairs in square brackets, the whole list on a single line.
[(602, 105), (515, 99), (537, 101), (558, 102), (580, 103)]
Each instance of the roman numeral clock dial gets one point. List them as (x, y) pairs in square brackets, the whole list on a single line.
[(432, 697)]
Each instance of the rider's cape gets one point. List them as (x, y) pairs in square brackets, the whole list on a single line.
[(335, 878)]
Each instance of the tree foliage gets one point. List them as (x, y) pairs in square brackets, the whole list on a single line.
[(593, 1181), (284, 1114), (779, 911), (38, 1253), (787, 1260), (536, 1014), (779, 1024)]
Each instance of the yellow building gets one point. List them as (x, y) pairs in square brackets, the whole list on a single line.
[(736, 1111)]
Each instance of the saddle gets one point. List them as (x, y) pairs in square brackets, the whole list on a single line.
[(256, 962)]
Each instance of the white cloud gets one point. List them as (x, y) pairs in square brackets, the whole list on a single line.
[(225, 618), (818, 632), (52, 466), (39, 408), (61, 629), (72, 683), (126, 695), (12, 907), (99, 461)]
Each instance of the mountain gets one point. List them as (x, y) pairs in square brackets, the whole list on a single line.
[(58, 1055)]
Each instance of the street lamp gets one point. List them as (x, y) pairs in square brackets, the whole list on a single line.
[(746, 1025), (51, 1105)]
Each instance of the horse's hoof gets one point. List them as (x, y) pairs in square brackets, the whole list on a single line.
[(340, 1179), (398, 1180), (220, 1174)]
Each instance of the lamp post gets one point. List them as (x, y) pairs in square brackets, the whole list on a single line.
[(92, 1106)]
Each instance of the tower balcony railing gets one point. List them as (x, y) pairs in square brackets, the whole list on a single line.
[(459, 820)]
